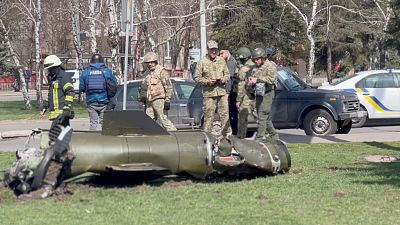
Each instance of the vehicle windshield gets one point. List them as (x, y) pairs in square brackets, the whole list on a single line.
[(290, 79)]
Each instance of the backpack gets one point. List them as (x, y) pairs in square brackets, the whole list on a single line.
[(111, 88)]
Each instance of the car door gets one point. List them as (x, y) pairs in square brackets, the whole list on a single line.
[(380, 91), (173, 112), (182, 92), (131, 98), (279, 105)]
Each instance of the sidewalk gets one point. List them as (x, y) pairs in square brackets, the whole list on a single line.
[(22, 128)]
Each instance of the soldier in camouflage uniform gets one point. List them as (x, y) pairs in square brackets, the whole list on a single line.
[(264, 79), (212, 74), (245, 101), (156, 91)]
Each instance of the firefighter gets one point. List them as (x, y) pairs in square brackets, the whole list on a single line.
[(61, 92)]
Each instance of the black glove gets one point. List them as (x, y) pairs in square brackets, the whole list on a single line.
[(68, 113), (167, 105)]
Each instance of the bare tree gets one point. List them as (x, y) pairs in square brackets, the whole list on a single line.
[(113, 38), (18, 64), (32, 11), (76, 28)]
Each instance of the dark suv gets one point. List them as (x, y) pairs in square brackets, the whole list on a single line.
[(297, 105), (181, 91)]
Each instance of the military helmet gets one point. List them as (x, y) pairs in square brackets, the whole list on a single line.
[(271, 51), (97, 58), (243, 53), (150, 57), (51, 61), (258, 53)]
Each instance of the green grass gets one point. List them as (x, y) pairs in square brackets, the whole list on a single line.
[(15, 110), (328, 184)]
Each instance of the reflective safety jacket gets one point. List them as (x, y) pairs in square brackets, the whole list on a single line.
[(61, 93)]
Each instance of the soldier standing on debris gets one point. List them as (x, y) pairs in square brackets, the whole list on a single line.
[(245, 101), (156, 91), (264, 81), (212, 74)]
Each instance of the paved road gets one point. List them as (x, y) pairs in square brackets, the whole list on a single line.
[(17, 96), (365, 134)]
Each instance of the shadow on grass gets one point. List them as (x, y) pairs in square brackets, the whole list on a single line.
[(383, 146), (381, 173), (158, 180)]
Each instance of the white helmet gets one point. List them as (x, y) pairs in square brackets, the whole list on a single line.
[(51, 61)]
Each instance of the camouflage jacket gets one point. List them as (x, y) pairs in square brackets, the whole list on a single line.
[(156, 85), (243, 75), (212, 69), (267, 74)]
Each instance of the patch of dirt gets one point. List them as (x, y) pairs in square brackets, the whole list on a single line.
[(297, 171), (261, 196), (62, 193), (339, 194), (382, 158), (175, 184)]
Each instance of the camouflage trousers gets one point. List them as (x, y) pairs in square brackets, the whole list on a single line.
[(265, 126), (247, 106), (210, 104), (155, 109)]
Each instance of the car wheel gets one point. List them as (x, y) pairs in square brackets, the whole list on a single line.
[(359, 122), (345, 129), (319, 122)]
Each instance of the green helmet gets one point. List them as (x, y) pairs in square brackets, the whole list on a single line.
[(150, 57), (243, 53), (258, 53)]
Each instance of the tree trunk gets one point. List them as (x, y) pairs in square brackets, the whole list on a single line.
[(18, 65), (329, 61), (38, 20), (76, 32), (113, 39), (311, 38), (92, 25)]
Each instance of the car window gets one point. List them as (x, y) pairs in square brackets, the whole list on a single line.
[(183, 90), (290, 80), (397, 75), (382, 80), (197, 92), (132, 93)]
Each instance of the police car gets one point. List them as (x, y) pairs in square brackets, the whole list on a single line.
[(377, 90)]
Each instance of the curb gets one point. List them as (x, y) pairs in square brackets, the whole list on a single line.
[(14, 134)]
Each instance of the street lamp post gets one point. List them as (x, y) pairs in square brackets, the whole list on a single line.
[(127, 33), (203, 31)]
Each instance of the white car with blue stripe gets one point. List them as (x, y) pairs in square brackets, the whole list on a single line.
[(377, 90)]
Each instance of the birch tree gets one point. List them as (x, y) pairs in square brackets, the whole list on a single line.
[(93, 17), (33, 12), (113, 38), (73, 6), (17, 64), (309, 23)]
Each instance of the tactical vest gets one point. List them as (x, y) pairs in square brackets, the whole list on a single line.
[(96, 81), (250, 88), (155, 89)]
